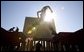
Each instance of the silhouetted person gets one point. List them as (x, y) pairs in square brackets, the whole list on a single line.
[(11, 29), (38, 46), (17, 30)]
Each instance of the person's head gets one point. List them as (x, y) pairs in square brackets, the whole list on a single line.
[(13, 27), (38, 41)]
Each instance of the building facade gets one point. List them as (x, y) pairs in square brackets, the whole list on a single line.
[(39, 31)]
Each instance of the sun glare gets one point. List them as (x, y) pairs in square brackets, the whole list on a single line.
[(49, 16)]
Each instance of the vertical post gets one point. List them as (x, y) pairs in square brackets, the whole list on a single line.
[(50, 45), (34, 46), (59, 46), (44, 45)]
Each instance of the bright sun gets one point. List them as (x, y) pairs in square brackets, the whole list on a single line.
[(49, 16)]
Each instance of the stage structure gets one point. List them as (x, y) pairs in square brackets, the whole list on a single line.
[(40, 28)]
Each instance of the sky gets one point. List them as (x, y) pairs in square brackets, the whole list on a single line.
[(68, 14)]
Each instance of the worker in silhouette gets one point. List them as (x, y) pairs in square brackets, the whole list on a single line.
[(17, 30), (11, 29), (42, 12), (38, 46)]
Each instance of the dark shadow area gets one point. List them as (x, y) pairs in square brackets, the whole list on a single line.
[(10, 40), (38, 46), (64, 41), (69, 41)]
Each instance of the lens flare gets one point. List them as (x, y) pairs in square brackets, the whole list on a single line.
[(48, 16)]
